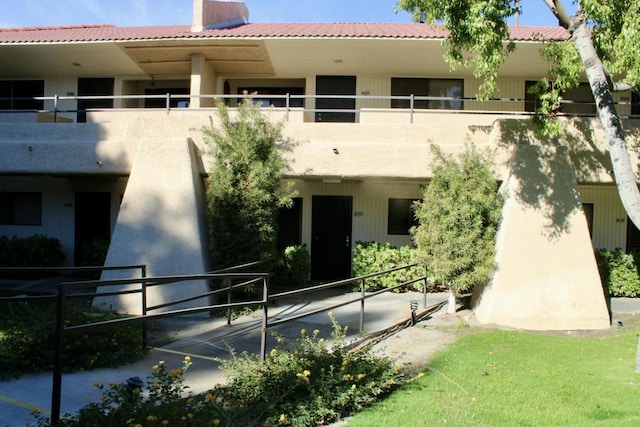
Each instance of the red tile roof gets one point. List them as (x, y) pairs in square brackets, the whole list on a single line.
[(93, 33)]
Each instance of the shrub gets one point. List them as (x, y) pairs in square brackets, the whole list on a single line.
[(27, 339), (301, 383), (371, 257), (294, 266), (35, 251), (619, 272)]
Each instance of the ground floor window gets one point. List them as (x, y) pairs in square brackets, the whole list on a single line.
[(400, 218), (21, 208)]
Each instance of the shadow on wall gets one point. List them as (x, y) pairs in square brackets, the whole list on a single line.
[(586, 147)]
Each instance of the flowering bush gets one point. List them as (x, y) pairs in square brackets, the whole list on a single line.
[(305, 383), (167, 404), (301, 383)]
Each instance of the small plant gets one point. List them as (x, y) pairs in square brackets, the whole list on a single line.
[(293, 267), (372, 257)]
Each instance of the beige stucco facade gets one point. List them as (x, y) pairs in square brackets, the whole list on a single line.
[(148, 156)]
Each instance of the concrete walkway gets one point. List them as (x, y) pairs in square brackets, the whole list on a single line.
[(206, 340)]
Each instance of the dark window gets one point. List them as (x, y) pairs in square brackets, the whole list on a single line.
[(578, 100), (19, 94), (582, 100), (588, 213), (530, 100), (336, 85), (447, 88), (93, 87), (261, 96), (290, 225), (635, 104), (401, 217), (21, 208)]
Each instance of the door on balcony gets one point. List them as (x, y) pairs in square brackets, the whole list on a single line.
[(331, 237), (336, 85)]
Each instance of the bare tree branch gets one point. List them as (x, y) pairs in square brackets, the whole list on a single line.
[(557, 8)]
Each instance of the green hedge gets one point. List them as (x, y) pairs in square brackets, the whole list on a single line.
[(372, 257), (293, 267), (619, 272), (34, 251)]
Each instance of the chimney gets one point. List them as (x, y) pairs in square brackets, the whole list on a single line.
[(211, 14)]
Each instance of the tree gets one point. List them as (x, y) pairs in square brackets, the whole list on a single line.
[(604, 43), (245, 191), (457, 221)]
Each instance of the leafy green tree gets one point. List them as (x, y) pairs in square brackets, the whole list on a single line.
[(604, 43), (458, 219), (245, 191)]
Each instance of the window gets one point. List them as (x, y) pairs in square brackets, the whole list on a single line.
[(93, 87), (18, 94), (578, 100), (261, 96), (401, 217), (588, 213), (635, 104), (450, 88), (21, 208)]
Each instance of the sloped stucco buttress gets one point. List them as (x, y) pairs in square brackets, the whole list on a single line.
[(546, 277), (161, 223)]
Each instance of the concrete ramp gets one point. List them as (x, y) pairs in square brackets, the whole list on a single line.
[(161, 222), (547, 277)]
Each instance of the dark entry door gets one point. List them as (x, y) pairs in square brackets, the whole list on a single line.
[(335, 85), (331, 237), (92, 228)]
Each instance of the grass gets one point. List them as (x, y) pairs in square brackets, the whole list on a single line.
[(508, 378)]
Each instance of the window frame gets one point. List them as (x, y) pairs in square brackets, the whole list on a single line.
[(400, 226), (17, 206)]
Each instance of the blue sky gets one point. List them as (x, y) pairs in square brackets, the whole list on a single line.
[(30, 13)]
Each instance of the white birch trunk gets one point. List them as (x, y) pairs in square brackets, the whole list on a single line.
[(624, 176)]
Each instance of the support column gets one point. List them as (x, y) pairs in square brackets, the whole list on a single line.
[(203, 82)]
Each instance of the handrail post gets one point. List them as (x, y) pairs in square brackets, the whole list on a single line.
[(56, 392), (265, 317), (411, 107), (288, 104), (168, 104), (229, 301), (424, 287), (144, 312), (55, 109), (362, 305)]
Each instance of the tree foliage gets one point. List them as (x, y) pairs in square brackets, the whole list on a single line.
[(458, 219), (604, 43), (245, 190)]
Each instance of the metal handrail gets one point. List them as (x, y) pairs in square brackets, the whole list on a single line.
[(411, 99)]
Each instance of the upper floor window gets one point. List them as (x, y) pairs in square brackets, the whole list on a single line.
[(21, 208), (261, 95), (445, 88), (19, 94), (578, 100)]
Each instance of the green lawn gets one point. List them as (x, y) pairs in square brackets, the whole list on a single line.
[(509, 378)]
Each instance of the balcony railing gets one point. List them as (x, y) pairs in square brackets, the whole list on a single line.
[(65, 108)]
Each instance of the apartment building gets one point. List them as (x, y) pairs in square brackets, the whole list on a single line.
[(100, 130)]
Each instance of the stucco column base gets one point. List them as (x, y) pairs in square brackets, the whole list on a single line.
[(160, 224), (546, 277)]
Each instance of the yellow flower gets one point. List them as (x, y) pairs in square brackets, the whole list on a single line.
[(421, 374), (303, 332), (165, 422), (216, 422), (187, 359), (353, 387), (152, 418), (161, 362), (175, 372), (208, 397), (273, 353), (282, 418), (97, 384)]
